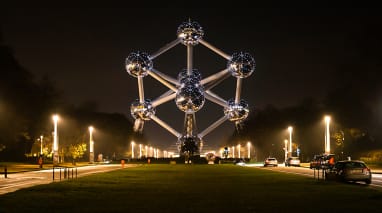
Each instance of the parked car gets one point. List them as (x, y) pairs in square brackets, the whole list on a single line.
[(239, 162), (351, 170), (270, 162), (292, 161)]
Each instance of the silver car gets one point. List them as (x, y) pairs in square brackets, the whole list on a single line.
[(292, 161), (270, 162), (351, 170)]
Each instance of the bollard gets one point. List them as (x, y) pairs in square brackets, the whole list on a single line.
[(5, 172)]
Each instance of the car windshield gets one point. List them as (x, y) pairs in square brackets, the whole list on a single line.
[(354, 165), (271, 159)]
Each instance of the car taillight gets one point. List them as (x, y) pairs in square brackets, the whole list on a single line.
[(366, 171)]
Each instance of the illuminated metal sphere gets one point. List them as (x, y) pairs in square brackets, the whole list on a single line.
[(237, 112), (190, 32), (143, 110), (138, 63), (190, 97), (241, 65), (189, 143), (194, 78)]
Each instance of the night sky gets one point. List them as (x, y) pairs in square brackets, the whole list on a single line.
[(298, 52)]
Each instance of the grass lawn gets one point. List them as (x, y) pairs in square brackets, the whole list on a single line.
[(193, 188)]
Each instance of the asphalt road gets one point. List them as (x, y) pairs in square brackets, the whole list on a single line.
[(20, 180), (376, 176)]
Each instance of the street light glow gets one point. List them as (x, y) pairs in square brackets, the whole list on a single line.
[(239, 146), (140, 150), (286, 149), (55, 140), (132, 149), (249, 149), (91, 145), (41, 137), (327, 135), (290, 129)]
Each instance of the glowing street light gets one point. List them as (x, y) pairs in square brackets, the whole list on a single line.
[(249, 149), (55, 141), (140, 150), (91, 145), (327, 135), (239, 146), (286, 149), (41, 137), (290, 129), (132, 149)]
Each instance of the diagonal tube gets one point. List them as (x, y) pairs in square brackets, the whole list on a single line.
[(165, 125), (214, 77), (216, 50), (164, 99), (209, 95), (165, 77), (212, 127), (165, 48), (161, 80)]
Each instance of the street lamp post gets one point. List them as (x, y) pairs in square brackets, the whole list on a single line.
[(233, 151), (41, 137), (249, 149), (55, 141), (327, 135), (91, 145), (238, 151), (140, 150), (286, 149), (290, 129), (132, 150)]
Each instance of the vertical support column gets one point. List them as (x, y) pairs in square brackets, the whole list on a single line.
[(238, 90), (141, 90), (189, 59)]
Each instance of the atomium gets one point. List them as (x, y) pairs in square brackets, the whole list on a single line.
[(241, 65), (137, 64), (190, 32), (142, 110), (236, 111), (189, 89)]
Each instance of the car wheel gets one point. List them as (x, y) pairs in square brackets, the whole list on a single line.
[(368, 181)]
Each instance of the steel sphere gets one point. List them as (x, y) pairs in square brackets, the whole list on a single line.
[(138, 63), (241, 65), (194, 78), (190, 97), (190, 32), (143, 110), (237, 112), (189, 143)]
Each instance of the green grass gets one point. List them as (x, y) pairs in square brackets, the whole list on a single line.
[(193, 188), (15, 167)]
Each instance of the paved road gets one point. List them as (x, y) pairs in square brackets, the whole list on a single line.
[(17, 181), (376, 177)]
